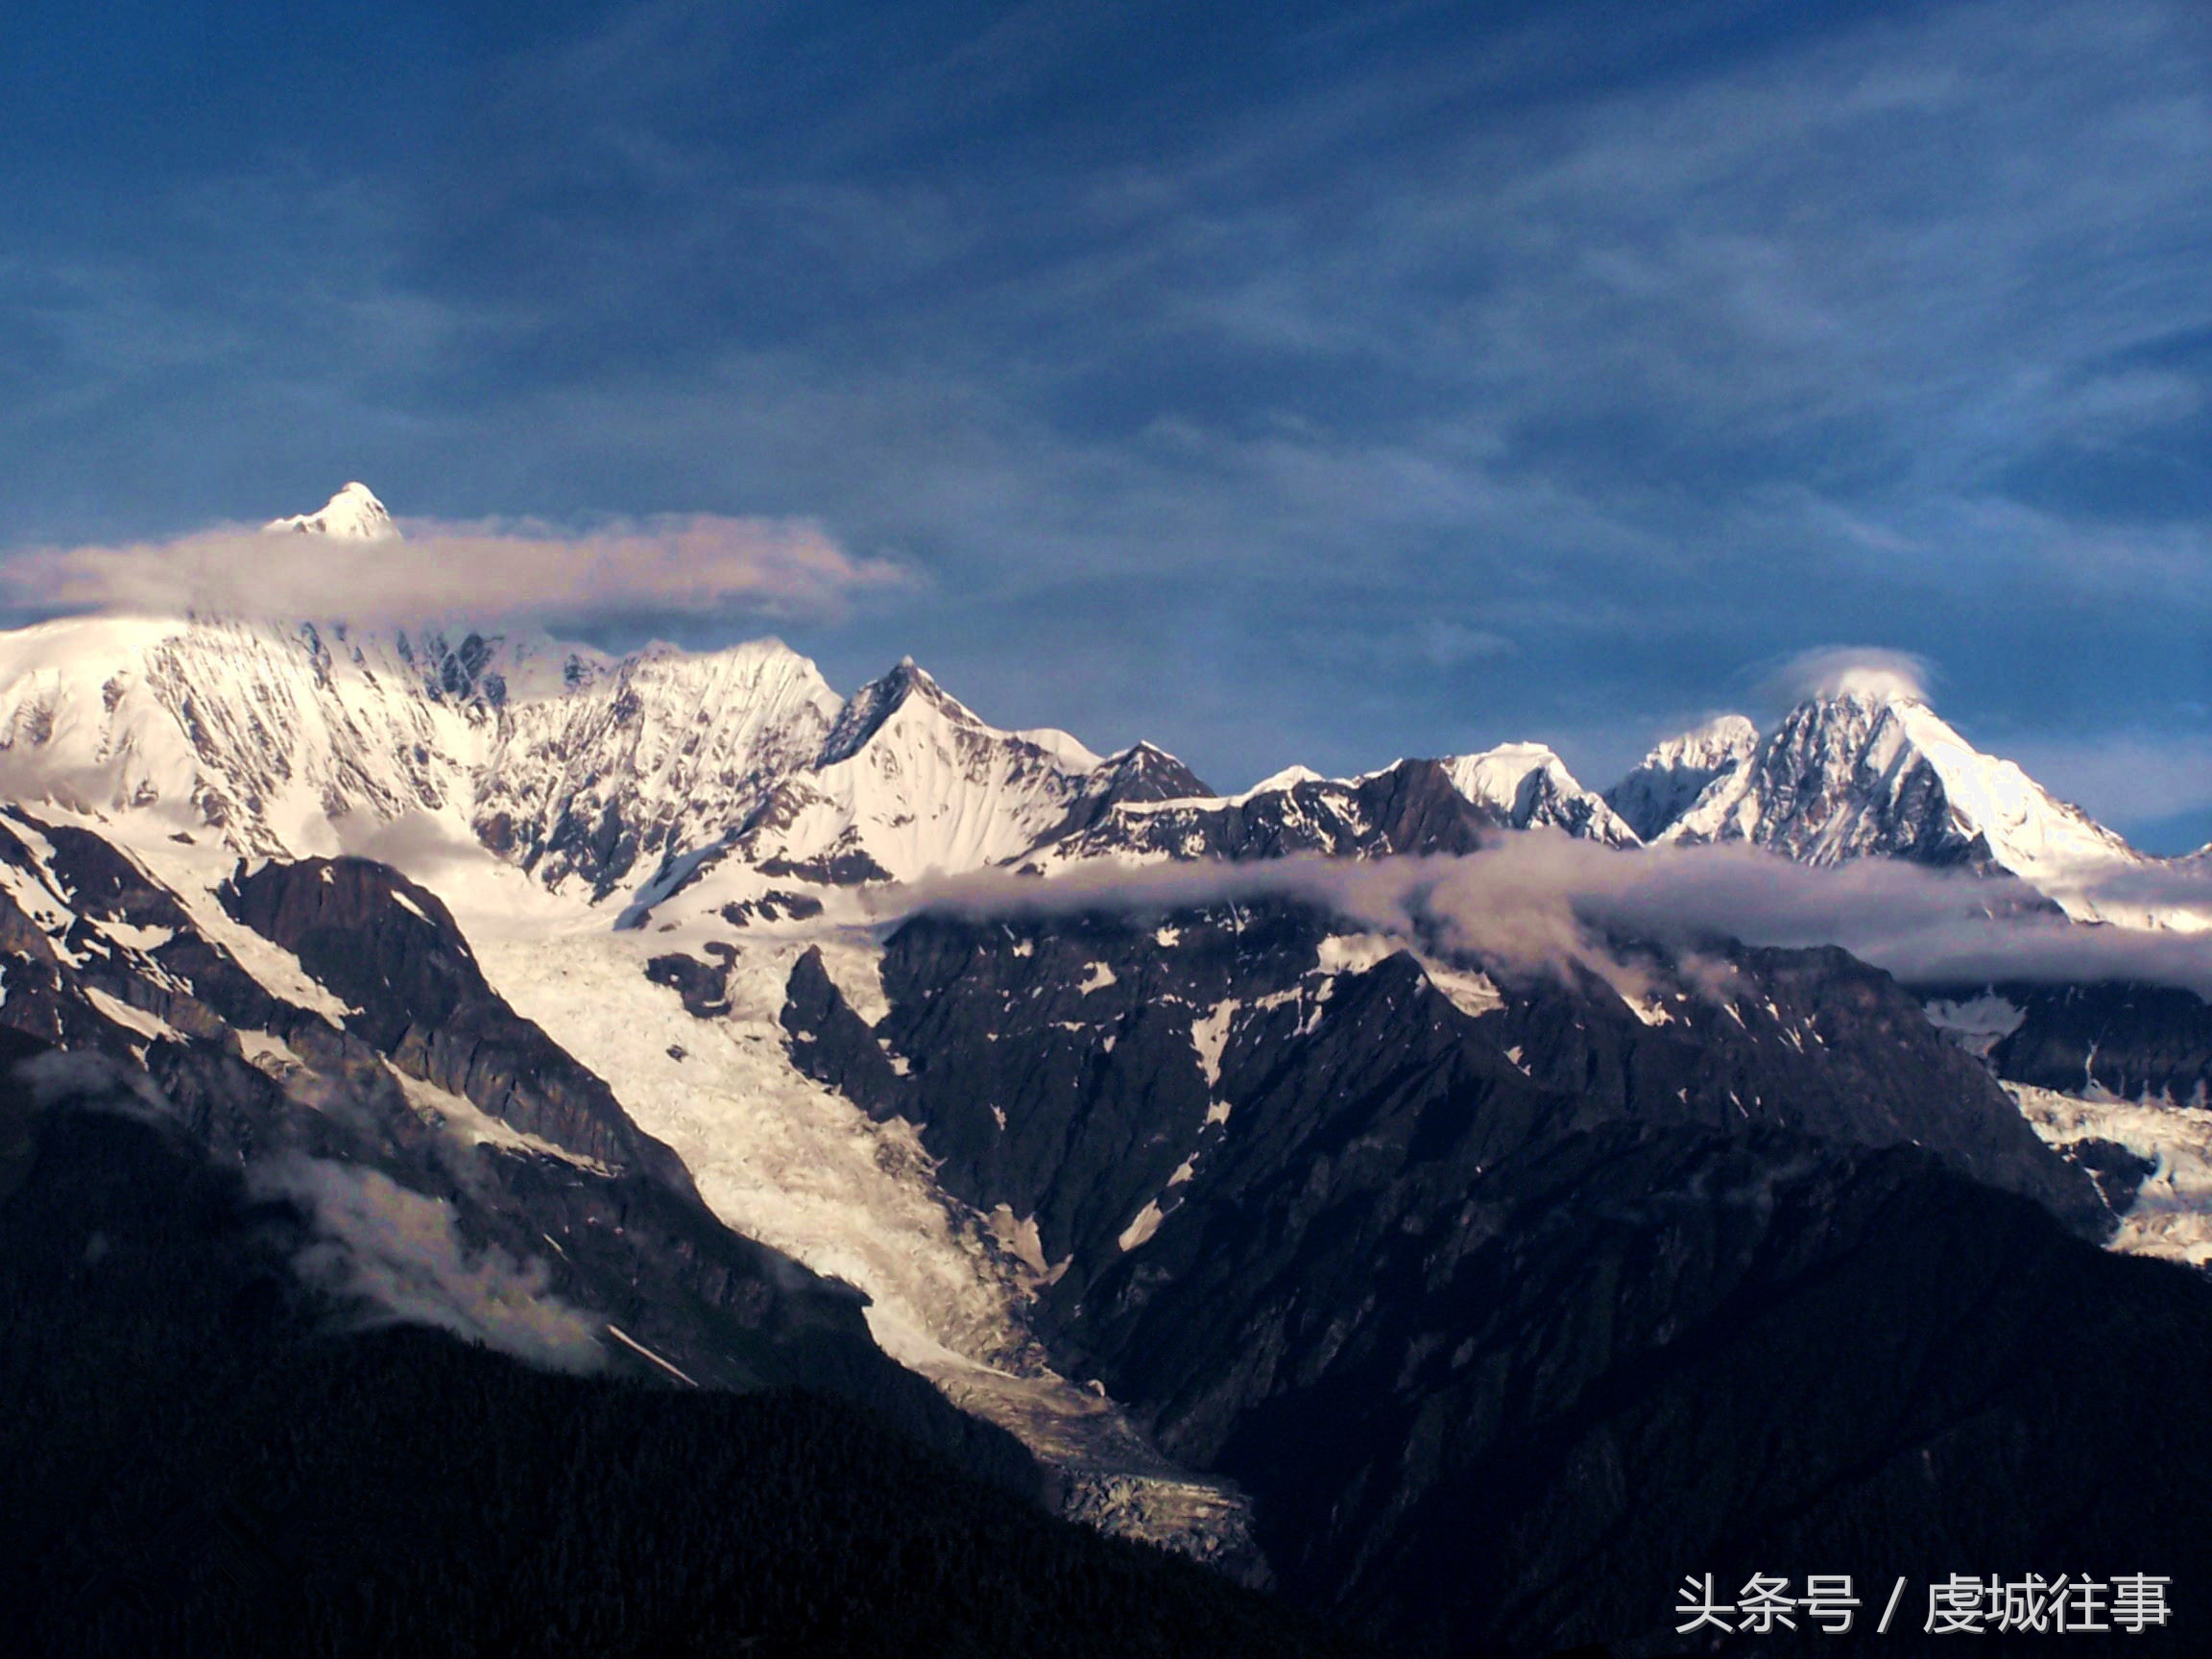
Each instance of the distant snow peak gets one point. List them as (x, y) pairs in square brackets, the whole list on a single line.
[(1289, 778), (1854, 773), (1668, 782), (352, 514), (1720, 740), (1531, 788), (875, 702), (1862, 673)]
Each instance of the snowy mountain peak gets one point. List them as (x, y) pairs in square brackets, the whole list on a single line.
[(1872, 683), (876, 704), (1869, 768), (1719, 741), (352, 514), (1145, 772), (1530, 787), (908, 781), (1289, 778), (1866, 673), (1665, 783)]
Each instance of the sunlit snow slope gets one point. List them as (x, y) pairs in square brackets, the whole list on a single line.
[(1878, 772)]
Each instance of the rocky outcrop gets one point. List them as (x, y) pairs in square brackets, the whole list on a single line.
[(2130, 1041), (428, 1082), (1438, 1266), (390, 950)]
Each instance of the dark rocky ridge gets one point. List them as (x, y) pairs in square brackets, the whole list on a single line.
[(1409, 807), (1659, 1347), (1472, 1303), (2129, 1039), (626, 1240), (389, 948), (1141, 774), (1104, 1093), (198, 1461)]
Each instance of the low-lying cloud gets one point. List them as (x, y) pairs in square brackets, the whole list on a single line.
[(401, 1252), (495, 570), (1537, 901)]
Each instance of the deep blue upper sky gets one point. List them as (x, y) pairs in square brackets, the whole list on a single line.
[(1308, 383)]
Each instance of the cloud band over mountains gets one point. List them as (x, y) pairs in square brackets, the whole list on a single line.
[(1535, 900), (492, 572)]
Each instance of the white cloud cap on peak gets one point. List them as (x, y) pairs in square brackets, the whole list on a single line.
[(1864, 671), (491, 571)]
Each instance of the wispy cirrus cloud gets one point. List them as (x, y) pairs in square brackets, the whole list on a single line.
[(1202, 354), (491, 571)]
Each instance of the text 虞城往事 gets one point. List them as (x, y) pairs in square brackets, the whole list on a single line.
[(1959, 1604)]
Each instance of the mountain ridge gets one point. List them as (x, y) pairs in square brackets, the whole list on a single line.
[(1294, 1234), (635, 776)]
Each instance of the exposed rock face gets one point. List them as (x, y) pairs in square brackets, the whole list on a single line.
[(1666, 783), (2127, 1041), (830, 1042), (389, 948), (1138, 777), (1447, 1271), (1515, 1421), (1412, 807), (408, 1069), (1114, 1058), (1409, 806)]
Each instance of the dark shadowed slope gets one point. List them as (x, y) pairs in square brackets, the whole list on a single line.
[(1511, 1304), (196, 1461)]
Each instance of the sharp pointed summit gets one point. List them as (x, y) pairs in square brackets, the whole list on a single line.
[(1868, 768), (352, 514)]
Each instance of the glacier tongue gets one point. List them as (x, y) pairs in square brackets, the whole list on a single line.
[(788, 1161), (2171, 1213)]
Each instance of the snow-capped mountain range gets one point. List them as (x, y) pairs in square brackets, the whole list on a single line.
[(635, 776), (1216, 1210)]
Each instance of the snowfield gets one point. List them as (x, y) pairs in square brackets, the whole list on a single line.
[(783, 1159), (2172, 1215)]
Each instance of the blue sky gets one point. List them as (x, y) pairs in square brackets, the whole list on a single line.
[(1311, 383)]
